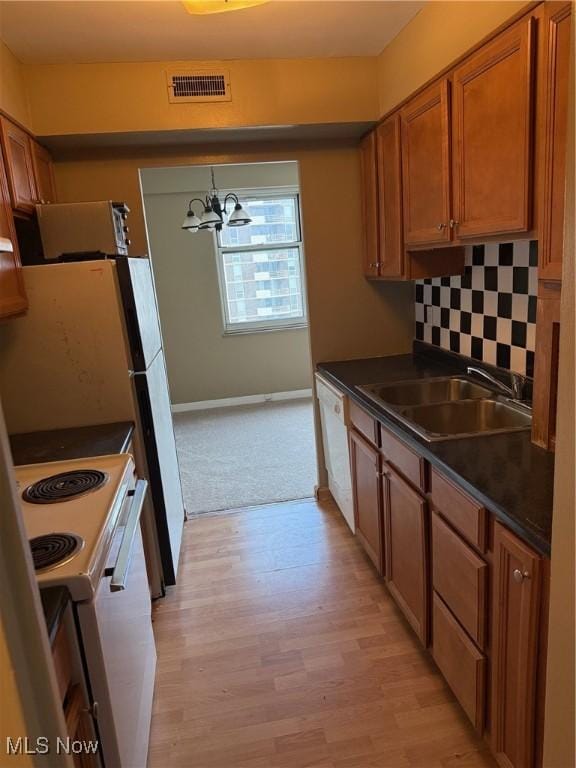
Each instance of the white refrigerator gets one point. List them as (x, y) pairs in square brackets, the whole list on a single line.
[(89, 351)]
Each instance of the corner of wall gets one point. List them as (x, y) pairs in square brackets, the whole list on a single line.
[(13, 90), (439, 33)]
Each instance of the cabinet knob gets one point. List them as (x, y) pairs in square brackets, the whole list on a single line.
[(374, 264), (519, 575), (453, 223), (440, 227), (337, 409)]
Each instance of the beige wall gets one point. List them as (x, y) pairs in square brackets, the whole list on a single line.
[(103, 98), (349, 316), (559, 735), (202, 363), (13, 95), (438, 34)]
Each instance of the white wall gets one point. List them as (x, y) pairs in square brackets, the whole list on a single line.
[(202, 363)]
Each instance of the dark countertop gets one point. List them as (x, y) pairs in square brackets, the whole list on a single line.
[(510, 476), (74, 443), (54, 602)]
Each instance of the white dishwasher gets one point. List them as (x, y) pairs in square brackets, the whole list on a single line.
[(334, 419)]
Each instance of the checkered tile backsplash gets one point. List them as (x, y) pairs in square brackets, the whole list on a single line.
[(489, 312)]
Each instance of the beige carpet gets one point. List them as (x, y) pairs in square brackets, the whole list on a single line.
[(240, 457)]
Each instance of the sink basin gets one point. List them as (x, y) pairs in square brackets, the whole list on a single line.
[(424, 391), (466, 418)]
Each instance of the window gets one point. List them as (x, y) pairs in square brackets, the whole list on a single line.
[(260, 266)]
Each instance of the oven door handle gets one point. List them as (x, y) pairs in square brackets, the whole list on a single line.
[(120, 572)]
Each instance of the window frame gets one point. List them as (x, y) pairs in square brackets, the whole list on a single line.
[(265, 325)]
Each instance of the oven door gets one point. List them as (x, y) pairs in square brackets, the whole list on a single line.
[(119, 644)]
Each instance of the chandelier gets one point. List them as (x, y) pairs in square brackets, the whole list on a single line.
[(214, 211)]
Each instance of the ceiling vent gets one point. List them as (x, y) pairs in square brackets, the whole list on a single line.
[(198, 85)]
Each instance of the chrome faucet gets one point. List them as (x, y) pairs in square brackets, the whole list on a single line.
[(515, 391)]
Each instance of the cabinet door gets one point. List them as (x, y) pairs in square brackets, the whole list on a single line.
[(515, 623), (390, 198), (407, 550), (12, 293), (426, 167), (43, 173), (19, 166), (492, 126), (369, 204), (367, 495), (552, 126)]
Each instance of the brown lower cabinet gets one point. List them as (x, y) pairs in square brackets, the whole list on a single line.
[(468, 586), (405, 514), (516, 619), (367, 493)]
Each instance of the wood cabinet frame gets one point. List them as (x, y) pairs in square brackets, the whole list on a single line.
[(552, 128)]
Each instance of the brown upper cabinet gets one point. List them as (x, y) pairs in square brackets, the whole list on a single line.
[(43, 173), (391, 240), (29, 169), (492, 136), (554, 50), (426, 167), (477, 155), (17, 148), (369, 205), (13, 299)]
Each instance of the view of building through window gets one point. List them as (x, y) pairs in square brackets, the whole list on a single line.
[(261, 266)]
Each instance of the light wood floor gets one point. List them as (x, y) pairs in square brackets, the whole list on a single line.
[(281, 647)]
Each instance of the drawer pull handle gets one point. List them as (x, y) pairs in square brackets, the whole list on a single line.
[(519, 575)]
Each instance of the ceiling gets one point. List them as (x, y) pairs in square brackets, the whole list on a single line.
[(119, 31)]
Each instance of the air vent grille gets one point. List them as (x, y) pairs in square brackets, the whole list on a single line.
[(190, 86)]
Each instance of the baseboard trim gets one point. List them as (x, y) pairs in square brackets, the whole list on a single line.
[(231, 402), (322, 493)]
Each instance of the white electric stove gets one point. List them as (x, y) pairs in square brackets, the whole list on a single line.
[(83, 522)]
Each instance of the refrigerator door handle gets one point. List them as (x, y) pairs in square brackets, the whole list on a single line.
[(120, 572)]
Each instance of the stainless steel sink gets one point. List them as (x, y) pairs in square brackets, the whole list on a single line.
[(450, 407), (424, 391), (466, 418)]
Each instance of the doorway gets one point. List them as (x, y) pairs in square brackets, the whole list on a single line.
[(233, 310)]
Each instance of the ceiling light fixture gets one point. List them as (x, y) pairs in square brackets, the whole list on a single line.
[(213, 213), (205, 7)]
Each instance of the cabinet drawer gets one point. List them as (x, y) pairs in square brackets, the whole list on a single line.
[(462, 512), (460, 578), (461, 663), (364, 423), (403, 459)]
